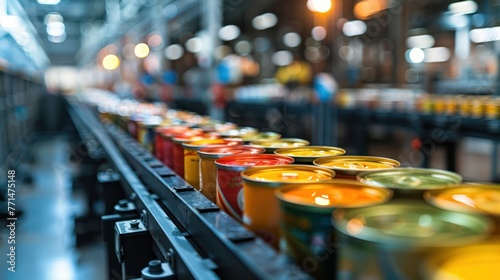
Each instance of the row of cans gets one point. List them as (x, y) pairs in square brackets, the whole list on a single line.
[(318, 206), (468, 106)]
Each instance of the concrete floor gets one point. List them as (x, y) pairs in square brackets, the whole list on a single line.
[(45, 242)]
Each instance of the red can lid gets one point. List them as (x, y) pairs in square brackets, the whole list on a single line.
[(218, 151), (244, 161)]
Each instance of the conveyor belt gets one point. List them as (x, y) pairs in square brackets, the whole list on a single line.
[(207, 243)]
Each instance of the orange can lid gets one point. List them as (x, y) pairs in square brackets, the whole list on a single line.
[(484, 198)]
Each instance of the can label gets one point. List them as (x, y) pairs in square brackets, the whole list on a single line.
[(168, 153), (158, 149), (191, 168), (229, 189), (309, 239)]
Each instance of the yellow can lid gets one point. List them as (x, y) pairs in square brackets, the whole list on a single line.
[(470, 262), (308, 154), (276, 176), (355, 164)]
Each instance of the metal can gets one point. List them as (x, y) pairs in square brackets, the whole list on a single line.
[(307, 235), (192, 160), (167, 145), (146, 133), (260, 136), (239, 132), (158, 147), (230, 183), (410, 182), (493, 108), (132, 125), (178, 151), (478, 199), (272, 145), (348, 167), (394, 237), (261, 211), (307, 154), (478, 261)]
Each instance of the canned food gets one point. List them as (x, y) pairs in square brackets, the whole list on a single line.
[(261, 211), (272, 145), (307, 154), (468, 262), (260, 136), (410, 182), (479, 199), (465, 106), (168, 146), (493, 108), (348, 167), (396, 236), (229, 181), (239, 132), (178, 151), (145, 132), (192, 160), (158, 147), (307, 235)]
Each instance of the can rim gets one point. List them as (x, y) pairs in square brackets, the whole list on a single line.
[(385, 194), (455, 178), (189, 146), (207, 155), (278, 183), (479, 227), (283, 140), (244, 167), (467, 205), (284, 151)]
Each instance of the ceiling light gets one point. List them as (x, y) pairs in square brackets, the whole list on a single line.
[(420, 41), (48, 2), (318, 33), (229, 32), (321, 6), (110, 62), (174, 52), (282, 58), (463, 7), (194, 45), (415, 55), (264, 21), (141, 50), (354, 28), (438, 54), (292, 39)]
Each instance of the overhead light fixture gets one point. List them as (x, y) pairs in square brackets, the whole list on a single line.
[(463, 7), (110, 62), (174, 52), (320, 6), (48, 2), (438, 54), (354, 28), (282, 58), (141, 50), (264, 21), (420, 41), (318, 33), (292, 39), (483, 35), (53, 17), (194, 45), (229, 32), (415, 55)]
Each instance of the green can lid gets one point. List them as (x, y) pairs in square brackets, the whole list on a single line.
[(410, 178), (409, 224)]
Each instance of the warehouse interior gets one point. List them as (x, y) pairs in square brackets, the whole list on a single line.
[(109, 111)]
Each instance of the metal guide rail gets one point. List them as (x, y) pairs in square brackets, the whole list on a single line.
[(207, 243)]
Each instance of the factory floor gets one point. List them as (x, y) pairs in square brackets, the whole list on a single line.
[(45, 241)]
